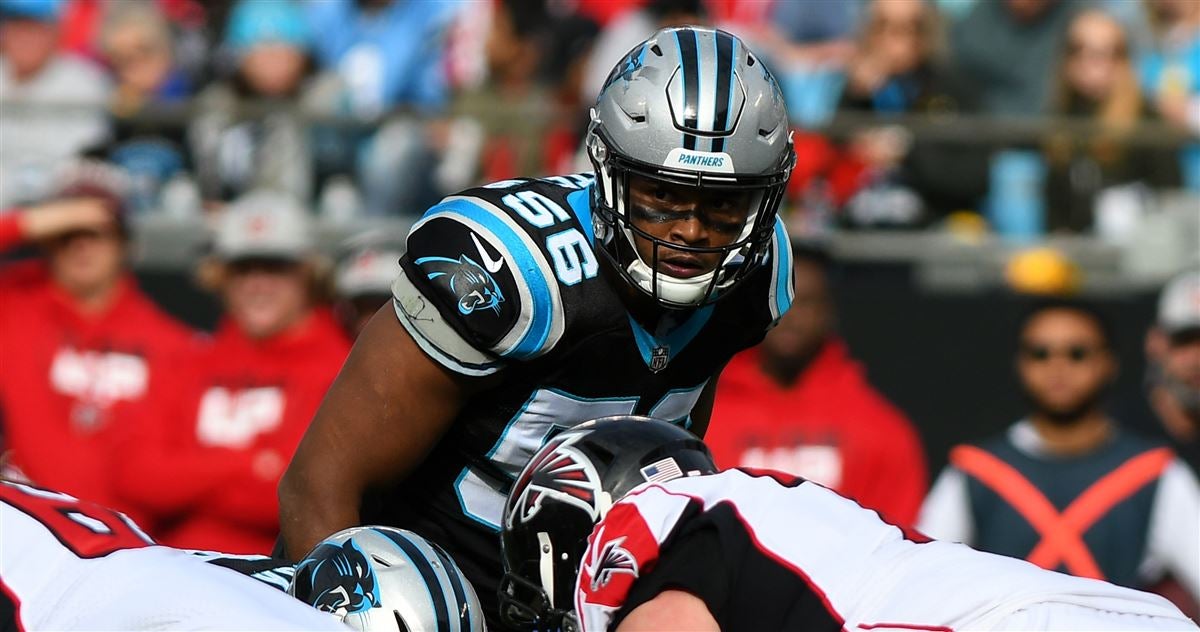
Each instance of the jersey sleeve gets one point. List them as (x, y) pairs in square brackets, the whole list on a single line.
[(780, 291), (475, 291), (686, 564)]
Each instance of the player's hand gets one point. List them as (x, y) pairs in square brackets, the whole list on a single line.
[(63, 216)]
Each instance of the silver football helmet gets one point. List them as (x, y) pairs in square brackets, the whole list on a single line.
[(380, 578), (690, 106)]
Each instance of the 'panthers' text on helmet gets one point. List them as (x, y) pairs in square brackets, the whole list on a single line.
[(381, 578), (689, 106)]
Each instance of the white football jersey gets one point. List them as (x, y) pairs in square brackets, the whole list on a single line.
[(67, 564), (765, 551)]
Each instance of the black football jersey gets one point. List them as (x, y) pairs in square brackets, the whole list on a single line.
[(504, 279)]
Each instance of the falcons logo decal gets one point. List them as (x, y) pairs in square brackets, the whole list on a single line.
[(560, 472), (608, 559)]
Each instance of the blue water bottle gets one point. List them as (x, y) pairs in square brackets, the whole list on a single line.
[(1016, 204)]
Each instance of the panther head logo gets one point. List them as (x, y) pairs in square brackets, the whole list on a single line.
[(469, 281), (340, 579)]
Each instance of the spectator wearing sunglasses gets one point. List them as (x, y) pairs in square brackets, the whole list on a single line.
[(211, 456), (1067, 488)]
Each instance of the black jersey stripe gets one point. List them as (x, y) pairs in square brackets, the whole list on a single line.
[(441, 609), (689, 60), (723, 102), (456, 584)]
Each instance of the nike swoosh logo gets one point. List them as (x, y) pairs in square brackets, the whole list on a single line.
[(491, 265)]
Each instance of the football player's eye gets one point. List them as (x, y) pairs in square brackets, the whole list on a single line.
[(661, 194)]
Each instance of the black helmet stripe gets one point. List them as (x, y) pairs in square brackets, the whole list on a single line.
[(441, 609), (689, 59), (724, 99), (460, 593)]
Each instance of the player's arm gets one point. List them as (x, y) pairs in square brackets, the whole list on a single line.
[(387, 408), (457, 317), (670, 611)]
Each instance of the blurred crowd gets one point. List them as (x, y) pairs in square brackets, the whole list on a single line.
[(379, 107), (266, 117)]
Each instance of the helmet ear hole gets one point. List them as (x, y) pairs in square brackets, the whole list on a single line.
[(656, 50)]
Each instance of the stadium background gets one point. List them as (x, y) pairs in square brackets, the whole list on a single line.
[(927, 300)]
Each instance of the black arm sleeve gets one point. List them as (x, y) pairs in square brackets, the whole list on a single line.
[(687, 563)]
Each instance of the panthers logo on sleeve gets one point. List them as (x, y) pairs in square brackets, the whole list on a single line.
[(477, 288), (339, 580), (469, 281)]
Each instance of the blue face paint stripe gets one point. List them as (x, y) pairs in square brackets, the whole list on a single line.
[(783, 299), (418, 560), (524, 265)]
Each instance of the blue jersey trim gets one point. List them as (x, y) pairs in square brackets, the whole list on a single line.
[(528, 268), (580, 203), (511, 422), (675, 340), (783, 268), (463, 505)]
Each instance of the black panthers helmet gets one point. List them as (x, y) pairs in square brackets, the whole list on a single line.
[(564, 490)]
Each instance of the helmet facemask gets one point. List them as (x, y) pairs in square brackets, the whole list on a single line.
[(616, 233)]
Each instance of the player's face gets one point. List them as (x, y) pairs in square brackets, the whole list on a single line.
[(87, 261), (1064, 363), (686, 216), (264, 296)]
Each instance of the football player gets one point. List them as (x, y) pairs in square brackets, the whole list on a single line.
[(625, 524), (67, 564), (525, 306)]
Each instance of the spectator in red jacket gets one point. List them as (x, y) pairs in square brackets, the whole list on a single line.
[(226, 432), (82, 347), (799, 403)]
